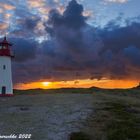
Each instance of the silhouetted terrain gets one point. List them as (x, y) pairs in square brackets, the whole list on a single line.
[(134, 90)]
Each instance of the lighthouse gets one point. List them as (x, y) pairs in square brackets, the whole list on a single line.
[(6, 86)]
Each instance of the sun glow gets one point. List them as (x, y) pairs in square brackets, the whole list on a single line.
[(86, 83), (46, 83)]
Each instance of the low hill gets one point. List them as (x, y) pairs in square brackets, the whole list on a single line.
[(77, 90)]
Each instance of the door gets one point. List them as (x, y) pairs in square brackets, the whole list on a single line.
[(3, 90)]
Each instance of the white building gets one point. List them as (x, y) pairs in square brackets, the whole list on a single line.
[(6, 86)]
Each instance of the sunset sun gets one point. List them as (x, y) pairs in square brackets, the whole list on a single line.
[(45, 84)]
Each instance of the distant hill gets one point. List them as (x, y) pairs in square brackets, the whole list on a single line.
[(74, 90), (137, 87), (96, 89)]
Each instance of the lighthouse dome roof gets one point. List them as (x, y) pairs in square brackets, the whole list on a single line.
[(4, 48)]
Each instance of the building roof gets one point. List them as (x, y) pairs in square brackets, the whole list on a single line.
[(4, 48)]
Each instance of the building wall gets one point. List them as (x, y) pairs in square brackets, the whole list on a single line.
[(6, 74)]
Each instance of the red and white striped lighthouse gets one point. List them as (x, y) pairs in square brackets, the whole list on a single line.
[(6, 85)]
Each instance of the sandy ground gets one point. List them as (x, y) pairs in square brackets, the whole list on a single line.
[(56, 116), (46, 117)]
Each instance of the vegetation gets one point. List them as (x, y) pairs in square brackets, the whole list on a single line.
[(117, 116), (79, 136), (126, 92), (115, 113), (125, 123)]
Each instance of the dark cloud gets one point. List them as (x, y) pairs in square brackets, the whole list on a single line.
[(30, 23), (24, 49), (76, 50), (118, 38), (121, 49), (132, 54), (71, 18)]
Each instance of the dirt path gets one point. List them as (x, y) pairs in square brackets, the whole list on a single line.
[(46, 117)]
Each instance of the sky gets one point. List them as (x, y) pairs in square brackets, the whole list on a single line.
[(69, 43)]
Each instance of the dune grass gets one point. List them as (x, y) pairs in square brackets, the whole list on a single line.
[(117, 116), (125, 123)]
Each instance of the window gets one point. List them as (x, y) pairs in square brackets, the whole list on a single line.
[(4, 67)]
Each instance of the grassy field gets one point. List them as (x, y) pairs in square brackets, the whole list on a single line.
[(72, 114)]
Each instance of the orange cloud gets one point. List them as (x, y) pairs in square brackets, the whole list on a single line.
[(7, 16), (36, 3), (6, 6), (3, 26), (111, 84)]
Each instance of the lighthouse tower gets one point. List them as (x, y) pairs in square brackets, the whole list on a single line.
[(6, 86)]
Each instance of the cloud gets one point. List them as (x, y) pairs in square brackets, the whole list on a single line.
[(36, 4), (67, 49), (116, 1), (3, 27), (73, 49), (121, 49), (7, 6), (24, 49)]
